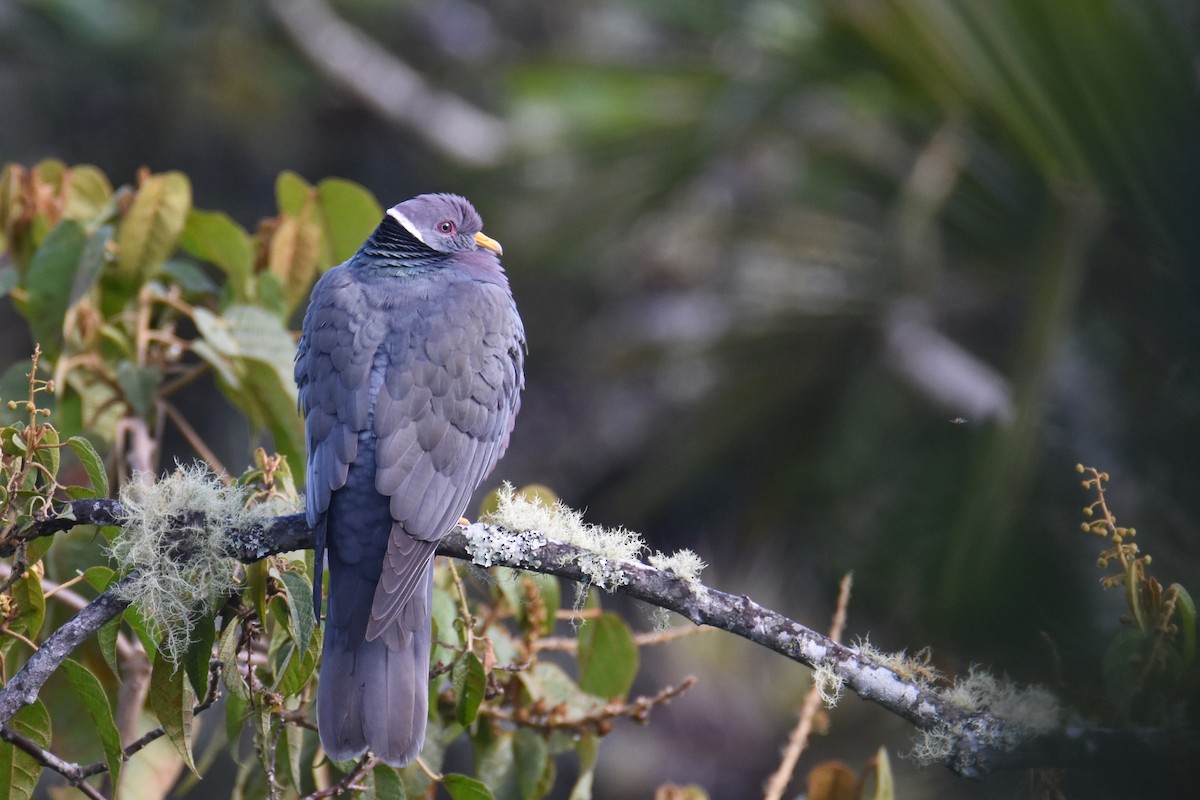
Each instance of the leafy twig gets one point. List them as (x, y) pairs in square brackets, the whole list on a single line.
[(211, 696)]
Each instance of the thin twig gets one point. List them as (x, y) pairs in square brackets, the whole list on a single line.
[(569, 644), (637, 710), (212, 694), (196, 441), (69, 770), (348, 783), (778, 782), (433, 774), (465, 610), (52, 589), (7, 631)]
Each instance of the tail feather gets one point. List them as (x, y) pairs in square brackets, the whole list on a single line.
[(375, 694)]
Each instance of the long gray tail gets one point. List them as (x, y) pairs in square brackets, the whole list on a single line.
[(374, 694)]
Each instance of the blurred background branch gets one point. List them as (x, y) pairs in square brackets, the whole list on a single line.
[(390, 87)]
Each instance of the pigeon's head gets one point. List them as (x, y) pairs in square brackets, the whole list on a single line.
[(446, 223)]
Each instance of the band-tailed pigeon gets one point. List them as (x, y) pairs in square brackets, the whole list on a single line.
[(410, 372)]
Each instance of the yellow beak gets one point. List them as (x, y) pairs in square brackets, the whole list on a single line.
[(488, 242)]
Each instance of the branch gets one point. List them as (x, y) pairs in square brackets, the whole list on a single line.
[(211, 696), (981, 741), (778, 782), (24, 687), (390, 87), (69, 770)]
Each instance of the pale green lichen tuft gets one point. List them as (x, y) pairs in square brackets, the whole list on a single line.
[(173, 539), (1022, 710), (606, 547), (1031, 709), (829, 684), (917, 668), (934, 745), (685, 564)]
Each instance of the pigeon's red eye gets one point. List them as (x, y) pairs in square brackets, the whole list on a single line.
[(446, 227)]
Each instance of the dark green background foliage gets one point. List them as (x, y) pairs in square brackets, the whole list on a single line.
[(809, 285)]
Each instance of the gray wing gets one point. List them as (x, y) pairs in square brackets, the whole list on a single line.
[(442, 418), (333, 374)]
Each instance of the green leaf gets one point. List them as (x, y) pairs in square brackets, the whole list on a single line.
[(293, 752), (199, 653), (300, 667), (292, 192), (88, 192), (190, 277), (494, 763), (387, 783), (236, 708), (549, 591), (300, 604), (11, 440), (230, 671), (137, 386), (256, 588), (95, 702), (91, 263), (92, 464), (349, 213), (137, 622), (607, 656), (445, 613), (293, 257), (1185, 607), (878, 783), (34, 550), (1123, 662), (548, 683), (48, 456), (470, 683), (461, 787), (535, 768), (99, 577), (172, 700), (151, 227), (251, 339), (48, 282), (106, 637), (588, 750), (214, 237), (30, 601), (18, 770)]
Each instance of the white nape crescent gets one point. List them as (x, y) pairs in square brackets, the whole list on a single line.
[(408, 226)]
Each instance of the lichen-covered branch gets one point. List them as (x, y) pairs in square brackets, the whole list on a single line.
[(972, 738)]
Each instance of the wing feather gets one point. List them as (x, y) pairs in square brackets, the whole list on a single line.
[(465, 378), (437, 384)]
